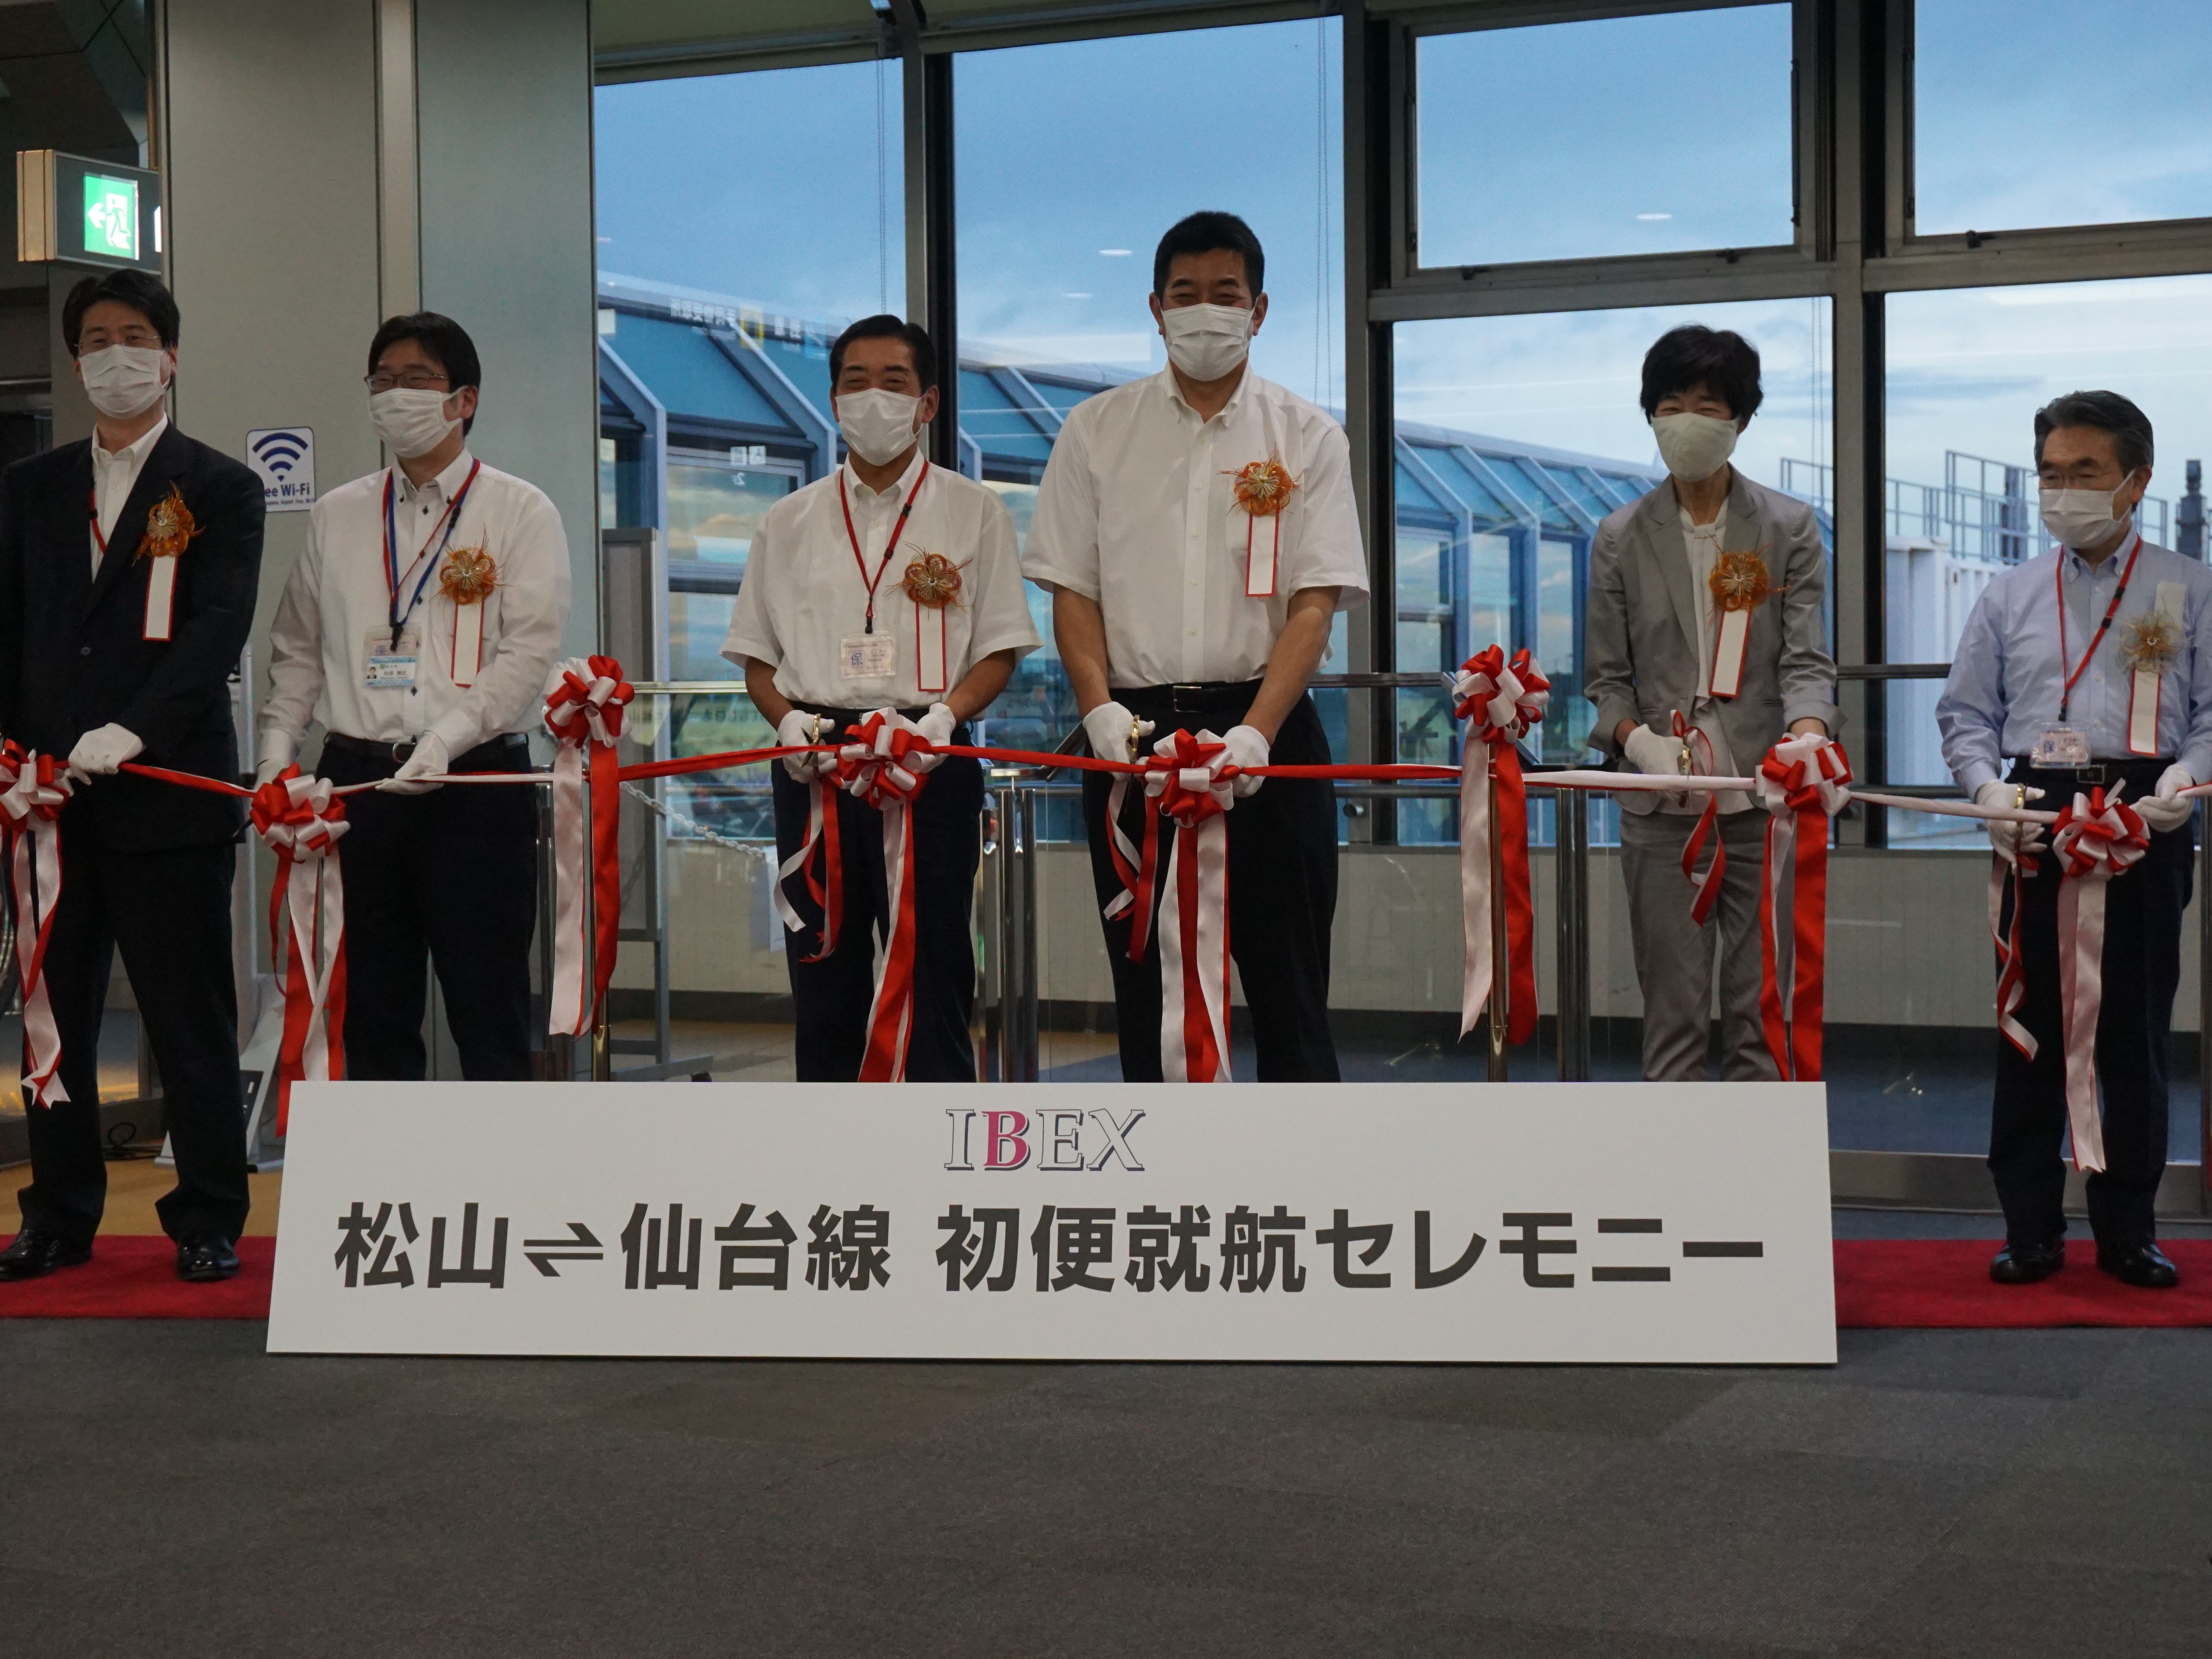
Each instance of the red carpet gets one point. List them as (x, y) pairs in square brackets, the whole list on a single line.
[(132, 1276), (1879, 1284), (1894, 1283)]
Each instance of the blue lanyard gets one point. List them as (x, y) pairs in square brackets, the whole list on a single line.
[(429, 557)]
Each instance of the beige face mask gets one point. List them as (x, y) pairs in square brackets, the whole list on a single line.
[(1694, 446)]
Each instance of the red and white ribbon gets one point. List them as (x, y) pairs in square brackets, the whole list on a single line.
[(1190, 780), (161, 597), (584, 712), (885, 762), (1804, 782), (302, 820), (34, 793), (1501, 702), (2094, 839), (1707, 827)]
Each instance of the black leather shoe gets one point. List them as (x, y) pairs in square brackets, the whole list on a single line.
[(37, 1253), (2025, 1264), (204, 1261), (2142, 1264)]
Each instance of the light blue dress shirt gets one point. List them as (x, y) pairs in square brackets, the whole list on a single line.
[(2006, 679)]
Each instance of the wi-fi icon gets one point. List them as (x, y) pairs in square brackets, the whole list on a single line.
[(279, 451)]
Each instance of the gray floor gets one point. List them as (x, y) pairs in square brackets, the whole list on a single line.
[(2016, 1494)]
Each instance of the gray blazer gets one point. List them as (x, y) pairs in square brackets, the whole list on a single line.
[(1640, 641)]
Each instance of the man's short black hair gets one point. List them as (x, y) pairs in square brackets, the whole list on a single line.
[(444, 341), (2107, 411), (885, 326), (1720, 360), (1204, 233), (143, 294)]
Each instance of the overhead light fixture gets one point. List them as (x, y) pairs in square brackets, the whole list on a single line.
[(1653, 218), (1114, 252)]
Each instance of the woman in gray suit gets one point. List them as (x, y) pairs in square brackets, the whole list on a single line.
[(1705, 644)]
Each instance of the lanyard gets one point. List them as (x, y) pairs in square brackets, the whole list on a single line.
[(98, 540), (2066, 694), (889, 547), (450, 520)]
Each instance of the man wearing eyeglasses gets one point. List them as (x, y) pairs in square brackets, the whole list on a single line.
[(129, 566), (418, 629), (2087, 669)]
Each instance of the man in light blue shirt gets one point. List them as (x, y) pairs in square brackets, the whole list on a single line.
[(2089, 666)]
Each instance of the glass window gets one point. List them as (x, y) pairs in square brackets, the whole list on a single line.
[(1967, 369), (2010, 130), (1517, 435), (1073, 159), (1628, 135)]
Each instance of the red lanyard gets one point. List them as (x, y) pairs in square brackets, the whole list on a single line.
[(2066, 695), (434, 545), (98, 540), (889, 547)]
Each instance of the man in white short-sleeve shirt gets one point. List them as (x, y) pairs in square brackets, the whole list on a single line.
[(1198, 531), (418, 629), (891, 585)]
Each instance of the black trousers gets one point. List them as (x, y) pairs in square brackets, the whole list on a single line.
[(1282, 891), (2141, 969), (449, 878), (830, 998), (169, 913)]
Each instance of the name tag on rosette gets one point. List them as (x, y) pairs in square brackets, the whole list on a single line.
[(2148, 645), (1738, 586)]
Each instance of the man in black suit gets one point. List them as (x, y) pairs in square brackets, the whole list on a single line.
[(106, 656)]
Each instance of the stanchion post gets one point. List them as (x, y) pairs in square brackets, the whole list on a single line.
[(1009, 904), (601, 1044), (1571, 847), (1500, 939), (1024, 1046), (2205, 1009)]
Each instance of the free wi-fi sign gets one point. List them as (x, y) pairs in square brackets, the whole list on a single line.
[(284, 458)]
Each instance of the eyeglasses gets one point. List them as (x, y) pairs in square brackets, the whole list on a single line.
[(412, 379)]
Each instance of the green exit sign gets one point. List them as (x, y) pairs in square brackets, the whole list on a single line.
[(111, 216)]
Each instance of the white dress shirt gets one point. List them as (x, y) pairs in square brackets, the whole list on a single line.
[(1703, 544), (338, 602), (113, 477), (1138, 512), (803, 593)]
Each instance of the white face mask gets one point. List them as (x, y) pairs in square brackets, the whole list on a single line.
[(2081, 518), (878, 426), (410, 423), (123, 381), (1694, 446), (1207, 342)]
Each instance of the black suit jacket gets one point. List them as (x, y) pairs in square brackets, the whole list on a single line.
[(73, 654)]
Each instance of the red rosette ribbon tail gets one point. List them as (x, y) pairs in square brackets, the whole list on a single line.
[(2095, 839), (584, 712), (301, 819), (32, 791), (1188, 780), (1501, 702), (883, 761), (1804, 782), (1707, 827)]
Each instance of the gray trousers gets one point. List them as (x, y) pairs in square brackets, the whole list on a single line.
[(1674, 956)]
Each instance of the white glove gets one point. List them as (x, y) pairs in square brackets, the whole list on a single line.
[(937, 726), (2166, 810), (278, 751), (98, 753), (798, 727), (1109, 726), (2011, 837), (429, 757), (1246, 748), (1653, 754)]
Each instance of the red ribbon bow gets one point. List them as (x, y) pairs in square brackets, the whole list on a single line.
[(584, 712), (598, 699), (302, 820), (1501, 702), (1184, 782), (2095, 839), (2096, 831), (1801, 782), (871, 760), (32, 791)]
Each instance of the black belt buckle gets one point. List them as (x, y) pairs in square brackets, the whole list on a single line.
[(400, 752), (1188, 699), (2091, 776)]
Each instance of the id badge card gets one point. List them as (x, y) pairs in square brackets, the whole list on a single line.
[(391, 667), (869, 656), (2061, 745)]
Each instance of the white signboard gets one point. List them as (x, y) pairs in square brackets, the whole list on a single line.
[(284, 458), (1605, 1222)]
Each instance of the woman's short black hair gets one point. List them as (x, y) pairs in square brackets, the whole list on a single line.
[(888, 327), (2107, 411), (1204, 233), (143, 294), (1720, 360), (444, 341)]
